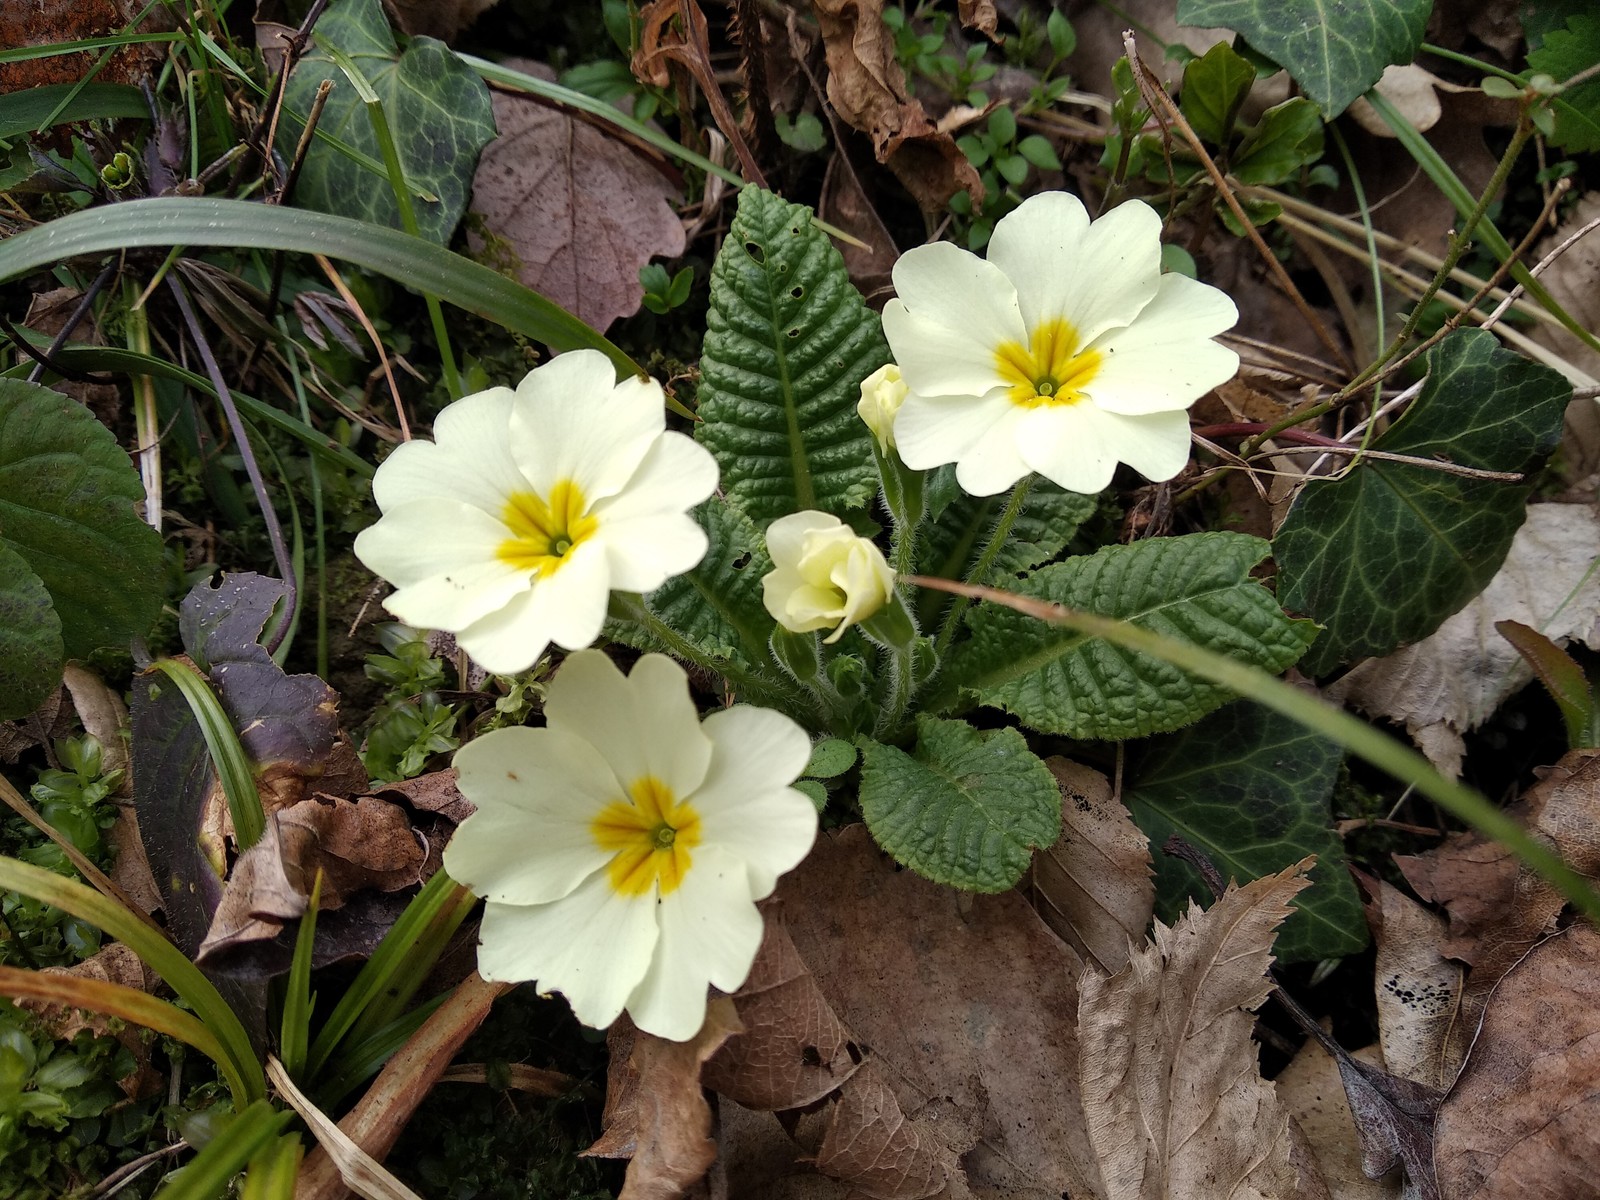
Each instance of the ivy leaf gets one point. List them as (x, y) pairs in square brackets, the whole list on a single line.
[(30, 638), (788, 342), (717, 606), (1334, 51), (968, 809), (1214, 87), (1250, 789), (67, 496), (1563, 53), (1195, 588), (1384, 554), (438, 111), (1288, 136)]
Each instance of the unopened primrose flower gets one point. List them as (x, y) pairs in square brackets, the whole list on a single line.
[(824, 575)]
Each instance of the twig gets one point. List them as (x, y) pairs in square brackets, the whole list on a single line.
[(79, 312), (291, 54), (377, 342), (44, 357), (129, 1171), (280, 551), (1328, 445), (1539, 268)]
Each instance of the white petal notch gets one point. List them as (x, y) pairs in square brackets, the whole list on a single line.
[(622, 870), (511, 529), (1065, 353)]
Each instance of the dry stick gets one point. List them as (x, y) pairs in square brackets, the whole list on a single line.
[(696, 56), (366, 324), (85, 303), (1328, 445), (280, 550), (747, 32), (1540, 268), (291, 54), (1156, 97)]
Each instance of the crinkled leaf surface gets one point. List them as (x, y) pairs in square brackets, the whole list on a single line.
[(438, 111), (1335, 49), (960, 529), (1195, 588), (968, 808), (1382, 555), (788, 342), (1563, 53), (30, 638), (1250, 789), (67, 496)]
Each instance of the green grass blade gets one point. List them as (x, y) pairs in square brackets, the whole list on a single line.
[(207, 1176), (359, 1060), (24, 112), (294, 1034), (237, 224), (274, 1171), (227, 754), (165, 959)]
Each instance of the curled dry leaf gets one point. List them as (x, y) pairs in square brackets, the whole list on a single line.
[(1418, 990), (866, 86), (1453, 680), (1411, 89), (1175, 1103), (1311, 1089), (113, 963), (656, 1114), (435, 792), (1523, 1120), (1497, 907), (1094, 887), (569, 210), (979, 15)]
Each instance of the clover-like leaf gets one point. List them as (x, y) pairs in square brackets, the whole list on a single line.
[(788, 342), (1195, 588), (1250, 789), (438, 111), (67, 496), (1562, 54), (1382, 555), (967, 809), (1335, 51), (30, 638)]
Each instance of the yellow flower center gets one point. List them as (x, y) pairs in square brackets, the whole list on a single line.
[(545, 532), (1050, 369), (650, 838)]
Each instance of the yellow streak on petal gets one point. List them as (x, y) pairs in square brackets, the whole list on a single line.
[(1050, 369), (544, 533), (650, 836)]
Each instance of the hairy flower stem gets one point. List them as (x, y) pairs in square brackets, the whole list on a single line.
[(980, 569)]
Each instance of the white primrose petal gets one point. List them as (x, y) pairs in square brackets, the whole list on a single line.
[(710, 932), (513, 637), (644, 552), (933, 430), (577, 594), (469, 460), (593, 946), (1155, 444), (421, 539), (676, 474), (994, 463), (573, 421), (941, 360), (1066, 444), (787, 536), (1097, 277), (537, 793), (746, 805), (643, 724), (1165, 359)]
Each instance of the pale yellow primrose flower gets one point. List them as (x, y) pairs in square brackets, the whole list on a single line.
[(823, 574), (621, 848), (1066, 352), (882, 393), (514, 525)]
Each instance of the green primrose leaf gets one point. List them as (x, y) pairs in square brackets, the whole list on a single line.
[(830, 757), (967, 809), (1335, 52), (1288, 136), (1382, 555), (1249, 788), (1038, 151), (30, 638), (1214, 89), (1195, 588), (1563, 53), (437, 107), (68, 525), (1063, 38), (788, 342)]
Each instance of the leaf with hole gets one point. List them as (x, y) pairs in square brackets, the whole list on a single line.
[(1383, 554)]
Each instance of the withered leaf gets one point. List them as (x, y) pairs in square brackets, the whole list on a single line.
[(1313, 1093), (656, 1114), (1175, 1102), (866, 86), (435, 792), (1094, 887), (569, 210), (1523, 1120), (979, 15), (1418, 990)]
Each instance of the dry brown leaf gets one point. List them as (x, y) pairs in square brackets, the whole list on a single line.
[(130, 866), (979, 15), (656, 1114), (442, 19), (1570, 279), (570, 211), (866, 86), (105, 716), (435, 792), (1452, 681), (1499, 908), (1175, 1102), (844, 204), (1523, 1121), (1411, 89), (1094, 887), (1418, 990), (1312, 1091)]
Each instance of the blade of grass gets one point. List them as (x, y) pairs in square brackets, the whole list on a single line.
[(245, 1078), (358, 1061), (208, 1174), (273, 1172), (26, 112), (295, 1030), (227, 754)]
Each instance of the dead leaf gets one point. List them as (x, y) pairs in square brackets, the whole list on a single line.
[(1313, 1093), (1570, 279), (979, 15), (656, 1114), (568, 210), (1410, 88), (105, 716), (1094, 887), (52, 719), (1418, 990), (1498, 908), (844, 204), (130, 868), (113, 963), (1523, 1121), (866, 86), (1452, 681), (442, 19), (1175, 1104), (435, 792), (48, 313)]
